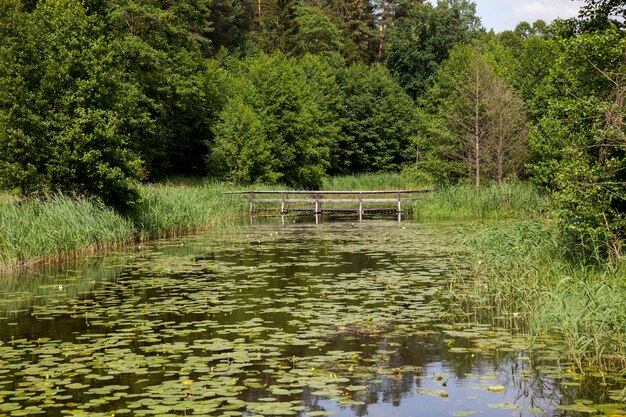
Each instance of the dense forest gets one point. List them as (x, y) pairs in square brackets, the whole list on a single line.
[(98, 95)]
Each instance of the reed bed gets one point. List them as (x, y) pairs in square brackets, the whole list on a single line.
[(34, 230), (373, 182), (524, 277), (173, 209), (511, 200), (58, 226)]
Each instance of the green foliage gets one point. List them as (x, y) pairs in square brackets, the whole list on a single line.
[(378, 122), (534, 60), (473, 123), (63, 124), (510, 200), (161, 49), (323, 76), (374, 181), (231, 21), (291, 120), (279, 25), (357, 20), (278, 133), (57, 226), (161, 26), (316, 32), (294, 120), (243, 151), (579, 144), (421, 41), (522, 267), (602, 14), (170, 209)]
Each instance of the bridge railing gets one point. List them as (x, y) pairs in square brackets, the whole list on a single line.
[(319, 202)]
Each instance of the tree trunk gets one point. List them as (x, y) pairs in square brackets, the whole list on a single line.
[(383, 23), (500, 159), (477, 131), (259, 8)]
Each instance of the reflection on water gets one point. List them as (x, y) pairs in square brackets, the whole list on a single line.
[(334, 319)]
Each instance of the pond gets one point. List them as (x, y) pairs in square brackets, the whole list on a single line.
[(345, 319)]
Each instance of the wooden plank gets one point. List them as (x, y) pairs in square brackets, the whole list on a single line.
[(331, 200), (346, 210), (317, 201), (321, 193)]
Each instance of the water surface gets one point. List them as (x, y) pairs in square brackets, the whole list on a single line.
[(344, 319)]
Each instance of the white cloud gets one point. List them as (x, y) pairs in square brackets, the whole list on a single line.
[(544, 9), (506, 14)]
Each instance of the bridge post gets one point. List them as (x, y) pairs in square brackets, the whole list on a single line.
[(399, 207), (282, 206), (317, 204), (360, 207), (252, 201)]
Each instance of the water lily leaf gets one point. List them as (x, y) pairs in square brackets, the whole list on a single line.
[(432, 392), (581, 408), (356, 387), (504, 406)]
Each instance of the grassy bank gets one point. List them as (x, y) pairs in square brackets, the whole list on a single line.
[(511, 200), (514, 200), (171, 209), (34, 231), (373, 182), (522, 276)]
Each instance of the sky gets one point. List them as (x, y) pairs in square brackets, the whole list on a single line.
[(502, 15)]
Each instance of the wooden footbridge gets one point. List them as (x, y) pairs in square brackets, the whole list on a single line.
[(317, 203)]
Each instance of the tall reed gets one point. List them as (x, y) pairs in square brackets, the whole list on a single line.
[(38, 229), (372, 182), (522, 275), (59, 226), (511, 200), (169, 209)]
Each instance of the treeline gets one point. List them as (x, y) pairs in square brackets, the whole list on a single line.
[(96, 95)]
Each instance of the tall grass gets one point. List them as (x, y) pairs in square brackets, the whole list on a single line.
[(170, 209), (36, 230), (6, 198), (522, 275), (39, 229), (512, 200), (373, 182)]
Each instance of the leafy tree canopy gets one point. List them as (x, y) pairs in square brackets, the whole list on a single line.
[(421, 41)]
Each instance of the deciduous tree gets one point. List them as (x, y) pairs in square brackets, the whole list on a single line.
[(379, 121), (579, 142), (280, 116), (65, 113), (422, 40), (480, 120)]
